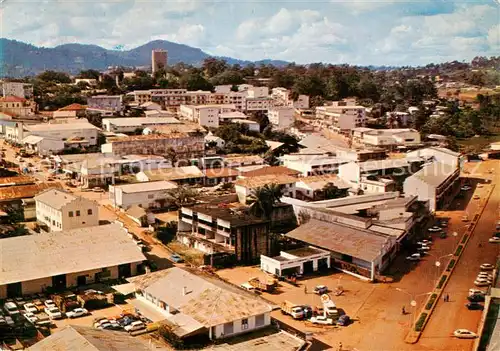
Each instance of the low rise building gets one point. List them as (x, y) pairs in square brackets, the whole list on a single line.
[(215, 176), (70, 111), (342, 116), (17, 89), (17, 106), (245, 186), (113, 103), (179, 175), (234, 161), (390, 138), (211, 139), (186, 302), (281, 117), (298, 261), (60, 210), (72, 134), (312, 164), (66, 259), (259, 103), (272, 170), (145, 194), (252, 125), (254, 92), (133, 124), (205, 115), (43, 145), (311, 188), (14, 195), (213, 229), (438, 154)]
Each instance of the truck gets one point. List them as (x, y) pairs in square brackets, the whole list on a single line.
[(292, 309), (66, 302), (267, 286)]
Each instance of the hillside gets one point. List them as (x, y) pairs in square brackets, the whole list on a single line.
[(20, 59)]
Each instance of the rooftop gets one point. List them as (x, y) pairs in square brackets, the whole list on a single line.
[(51, 127), (146, 186), (220, 172), (243, 159), (435, 173), (176, 135), (176, 173), (64, 252), (73, 107), (267, 339), (273, 170), (305, 252), (236, 217), (12, 99), (140, 121), (369, 166), (347, 240), (73, 338), (17, 180), (203, 295), (256, 182), (19, 192), (56, 198), (318, 182), (185, 127)]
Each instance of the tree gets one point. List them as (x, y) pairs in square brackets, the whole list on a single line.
[(171, 155), (195, 81), (89, 74), (264, 198), (53, 76), (181, 196), (331, 191), (212, 66)]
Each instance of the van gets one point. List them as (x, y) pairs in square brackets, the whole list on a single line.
[(11, 308)]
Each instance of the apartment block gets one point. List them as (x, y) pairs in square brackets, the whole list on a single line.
[(281, 117)]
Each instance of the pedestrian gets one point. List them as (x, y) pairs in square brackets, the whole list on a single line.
[(340, 346), (447, 298), (305, 289), (403, 311)]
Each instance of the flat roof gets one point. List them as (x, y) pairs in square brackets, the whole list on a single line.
[(243, 158), (176, 173), (267, 339), (59, 126), (255, 182), (272, 170), (146, 186), (343, 239), (55, 198), (435, 173), (305, 251), (234, 216), (33, 257), (139, 121), (318, 182)]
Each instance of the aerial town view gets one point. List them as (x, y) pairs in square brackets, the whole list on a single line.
[(250, 176)]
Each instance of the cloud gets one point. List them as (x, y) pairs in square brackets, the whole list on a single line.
[(190, 34)]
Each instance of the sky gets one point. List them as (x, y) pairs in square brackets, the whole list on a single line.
[(360, 32)]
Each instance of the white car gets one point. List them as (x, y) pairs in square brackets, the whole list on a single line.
[(466, 188), (435, 229), (494, 240), (476, 292), (464, 334), (476, 197), (134, 326), (53, 312), (424, 242), (10, 308), (77, 312), (49, 303), (423, 248), (414, 257), (485, 275), (487, 267), (31, 308), (321, 320), (482, 282), (30, 317)]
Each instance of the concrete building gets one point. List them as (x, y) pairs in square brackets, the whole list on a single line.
[(179, 175), (281, 117), (219, 142), (388, 138), (312, 164), (205, 115), (257, 92), (66, 259), (60, 210), (225, 117), (14, 195), (186, 146), (298, 261), (252, 125), (186, 301), (215, 176), (311, 188), (112, 103), (132, 124), (43, 146), (436, 183), (245, 186), (17, 106), (259, 103), (282, 98), (70, 111), (17, 89), (146, 194), (92, 82), (72, 134), (213, 229), (159, 59), (342, 116), (234, 161), (438, 154)]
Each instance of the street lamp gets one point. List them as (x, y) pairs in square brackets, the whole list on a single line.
[(413, 301), (438, 262)]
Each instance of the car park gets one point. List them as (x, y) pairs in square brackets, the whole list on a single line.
[(414, 257), (320, 289), (11, 308), (53, 312), (30, 307), (77, 312), (464, 334), (321, 320), (134, 326), (487, 267)]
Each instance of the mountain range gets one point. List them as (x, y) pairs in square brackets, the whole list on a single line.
[(18, 59)]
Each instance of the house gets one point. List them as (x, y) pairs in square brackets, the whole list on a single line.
[(13, 196), (281, 117), (212, 139), (17, 106), (438, 154), (205, 115), (252, 125), (70, 111), (312, 164), (234, 161), (245, 186), (272, 170), (60, 210), (146, 195), (43, 145), (342, 116), (215, 176), (436, 183), (113, 103), (66, 258), (310, 188), (301, 261), (72, 134), (184, 145), (186, 301), (84, 338), (133, 124), (180, 175), (212, 229)]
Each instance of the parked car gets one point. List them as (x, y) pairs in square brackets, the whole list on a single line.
[(482, 282), (321, 320), (30, 317), (487, 267), (443, 223), (424, 242), (320, 289), (98, 190), (100, 320), (308, 311), (476, 292), (10, 322), (11, 308), (53, 312), (474, 306), (435, 229), (134, 326), (423, 248), (49, 303), (466, 188), (464, 334), (77, 312), (344, 320), (494, 240), (176, 258), (31, 308), (39, 305), (476, 298), (414, 257)]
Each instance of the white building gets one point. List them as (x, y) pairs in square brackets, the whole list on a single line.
[(387, 137), (60, 210), (252, 125), (298, 261), (66, 259), (145, 194), (90, 81), (113, 103), (245, 186), (312, 164), (438, 154), (21, 90), (281, 117), (342, 116), (42, 145), (73, 134), (188, 301), (131, 124), (259, 103), (231, 115), (234, 161), (205, 115), (219, 142), (257, 92)]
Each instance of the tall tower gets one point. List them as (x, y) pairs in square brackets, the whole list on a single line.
[(159, 59)]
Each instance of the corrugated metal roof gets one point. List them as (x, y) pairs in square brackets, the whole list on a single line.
[(256, 182), (19, 192), (176, 173), (55, 198)]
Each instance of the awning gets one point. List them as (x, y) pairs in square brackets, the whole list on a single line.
[(125, 289), (32, 139), (148, 311)]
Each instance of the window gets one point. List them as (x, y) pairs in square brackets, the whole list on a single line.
[(70, 213), (78, 213), (151, 196), (244, 324), (89, 211)]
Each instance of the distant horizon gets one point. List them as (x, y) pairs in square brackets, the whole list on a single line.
[(237, 58), (357, 32)]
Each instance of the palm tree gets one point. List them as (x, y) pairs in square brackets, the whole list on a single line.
[(264, 198), (181, 196), (331, 191)]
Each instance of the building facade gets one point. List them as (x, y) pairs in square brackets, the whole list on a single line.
[(281, 117), (145, 195), (159, 59), (113, 103)]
